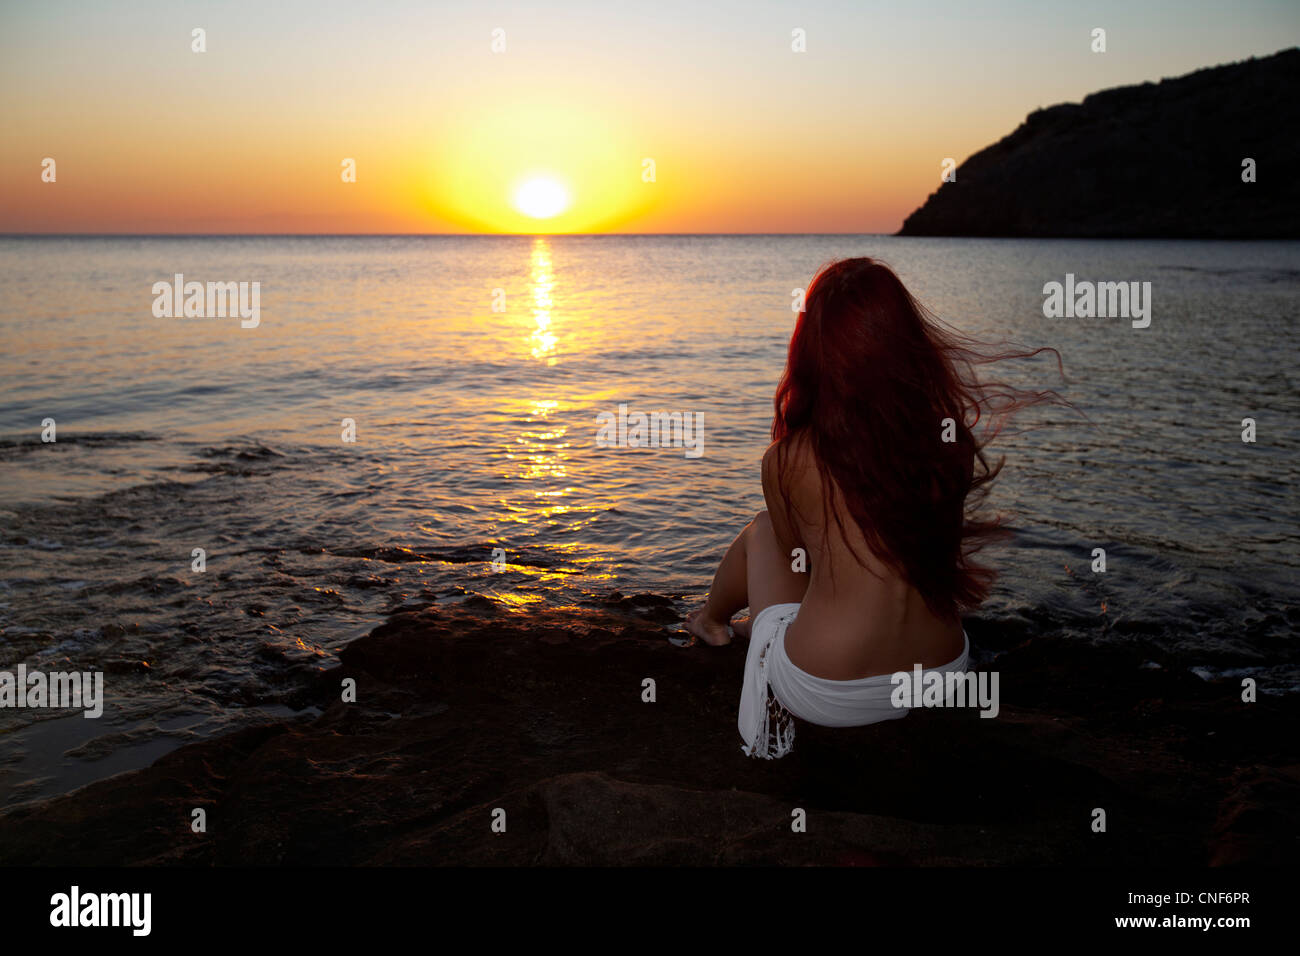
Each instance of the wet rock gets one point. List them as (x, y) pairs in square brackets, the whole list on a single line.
[(463, 717)]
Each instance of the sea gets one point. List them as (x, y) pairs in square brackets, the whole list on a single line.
[(410, 420)]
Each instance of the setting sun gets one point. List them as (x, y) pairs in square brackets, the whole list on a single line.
[(541, 198), (537, 163)]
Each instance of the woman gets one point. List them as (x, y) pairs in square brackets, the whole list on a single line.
[(861, 565)]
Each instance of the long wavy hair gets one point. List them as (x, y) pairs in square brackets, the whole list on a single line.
[(887, 399)]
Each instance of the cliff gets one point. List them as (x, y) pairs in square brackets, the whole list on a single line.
[(1157, 160)]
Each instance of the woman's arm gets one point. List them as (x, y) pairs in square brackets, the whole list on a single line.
[(776, 501)]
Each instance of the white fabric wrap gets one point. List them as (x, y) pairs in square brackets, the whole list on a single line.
[(774, 689)]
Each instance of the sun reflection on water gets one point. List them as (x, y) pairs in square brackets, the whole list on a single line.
[(540, 499), (542, 277)]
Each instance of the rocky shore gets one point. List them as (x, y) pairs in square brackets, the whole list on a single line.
[(466, 711)]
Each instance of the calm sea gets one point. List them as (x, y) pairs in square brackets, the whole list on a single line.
[(475, 429)]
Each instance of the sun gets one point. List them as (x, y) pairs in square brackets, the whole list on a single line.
[(541, 198)]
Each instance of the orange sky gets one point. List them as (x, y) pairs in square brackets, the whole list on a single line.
[(746, 134)]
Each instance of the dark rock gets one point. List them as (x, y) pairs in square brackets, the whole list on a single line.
[(460, 714), (1153, 160), (1259, 821)]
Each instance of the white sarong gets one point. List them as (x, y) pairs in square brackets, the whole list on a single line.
[(775, 689)]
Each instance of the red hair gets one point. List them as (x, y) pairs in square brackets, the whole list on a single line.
[(871, 378)]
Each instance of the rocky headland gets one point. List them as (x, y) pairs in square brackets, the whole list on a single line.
[(1156, 160)]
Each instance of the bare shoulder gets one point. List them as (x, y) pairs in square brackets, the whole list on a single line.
[(790, 464), (792, 489)]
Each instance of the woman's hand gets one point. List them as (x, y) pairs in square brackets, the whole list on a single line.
[(707, 629)]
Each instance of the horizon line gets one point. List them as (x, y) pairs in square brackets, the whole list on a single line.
[(402, 235), (613, 235)]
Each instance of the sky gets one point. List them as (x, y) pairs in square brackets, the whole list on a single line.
[(745, 134)]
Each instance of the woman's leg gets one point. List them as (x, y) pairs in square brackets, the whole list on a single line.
[(753, 574)]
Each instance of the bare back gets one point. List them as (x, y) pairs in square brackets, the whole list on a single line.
[(855, 621)]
